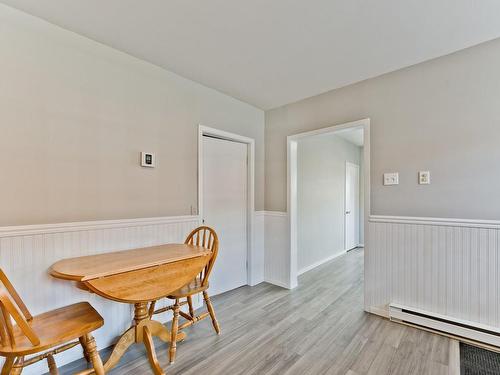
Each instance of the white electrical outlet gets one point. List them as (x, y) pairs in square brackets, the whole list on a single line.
[(391, 178), (424, 177)]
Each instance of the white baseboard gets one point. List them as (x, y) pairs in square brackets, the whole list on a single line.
[(447, 325), (317, 264), (278, 283), (257, 281), (378, 311)]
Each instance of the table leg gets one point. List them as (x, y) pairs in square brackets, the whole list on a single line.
[(121, 346), (125, 341), (142, 331), (150, 348), (146, 329), (159, 330)]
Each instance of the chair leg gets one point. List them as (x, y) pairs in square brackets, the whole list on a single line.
[(190, 303), (211, 312), (7, 366), (94, 354), (151, 310), (51, 362), (18, 366), (175, 327), (83, 343)]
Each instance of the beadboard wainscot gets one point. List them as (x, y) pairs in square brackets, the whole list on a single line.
[(27, 252), (277, 245), (449, 267), (258, 251)]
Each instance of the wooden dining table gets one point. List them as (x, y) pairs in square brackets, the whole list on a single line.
[(138, 277)]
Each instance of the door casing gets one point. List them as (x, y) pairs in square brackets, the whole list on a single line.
[(348, 246)]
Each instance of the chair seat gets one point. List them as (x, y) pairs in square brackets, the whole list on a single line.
[(54, 328), (194, 287)]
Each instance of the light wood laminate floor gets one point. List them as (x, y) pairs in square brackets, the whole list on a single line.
[(318, 328)]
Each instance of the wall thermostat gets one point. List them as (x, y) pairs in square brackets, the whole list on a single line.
[(147, 159)]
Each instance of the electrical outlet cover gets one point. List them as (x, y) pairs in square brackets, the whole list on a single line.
[(424, 177), (391, 178)]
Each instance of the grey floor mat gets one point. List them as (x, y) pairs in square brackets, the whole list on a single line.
[(477, 361)]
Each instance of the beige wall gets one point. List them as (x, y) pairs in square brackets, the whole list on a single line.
[(442, 116), (74, 116)]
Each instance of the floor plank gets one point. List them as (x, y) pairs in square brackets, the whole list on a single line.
[(318, 328)]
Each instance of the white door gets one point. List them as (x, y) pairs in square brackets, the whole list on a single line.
[(225, 209), (351, 206)]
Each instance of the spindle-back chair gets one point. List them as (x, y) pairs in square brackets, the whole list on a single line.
[(207, 238), (51, 332)]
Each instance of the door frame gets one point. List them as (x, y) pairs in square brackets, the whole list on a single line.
[(292, 188), (347, 164), (250, 142)]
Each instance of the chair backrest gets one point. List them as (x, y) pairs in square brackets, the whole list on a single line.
[(207, 238), (13, 307)]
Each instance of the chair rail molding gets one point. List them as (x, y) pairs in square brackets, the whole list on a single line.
[(449, 267), (34, 229), (472, 223)]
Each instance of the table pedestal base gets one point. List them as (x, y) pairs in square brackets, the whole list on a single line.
[(142, 331)]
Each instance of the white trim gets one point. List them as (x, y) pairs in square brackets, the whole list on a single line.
[(361, 245), (277, 283), (317, 264), (330, 129), (274, 213), (470, 223), (442, 323), (292, 186), (27, 230), (378, 311), (205, 130), (348, 163), (446, 317)]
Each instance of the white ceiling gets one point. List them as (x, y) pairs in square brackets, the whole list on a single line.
[(355, 136), (273, 52)]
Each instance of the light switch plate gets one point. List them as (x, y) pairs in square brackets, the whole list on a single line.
[(391, 178), (148, 159), (424, 177)]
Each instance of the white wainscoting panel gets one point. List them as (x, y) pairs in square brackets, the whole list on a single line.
[(27, 252), (258, 251), (445, 266), (277, 254)]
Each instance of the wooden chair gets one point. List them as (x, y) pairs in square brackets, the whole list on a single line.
[(51, 332), (207, 238)]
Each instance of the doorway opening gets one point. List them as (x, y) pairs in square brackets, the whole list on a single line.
[(328, 194)]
